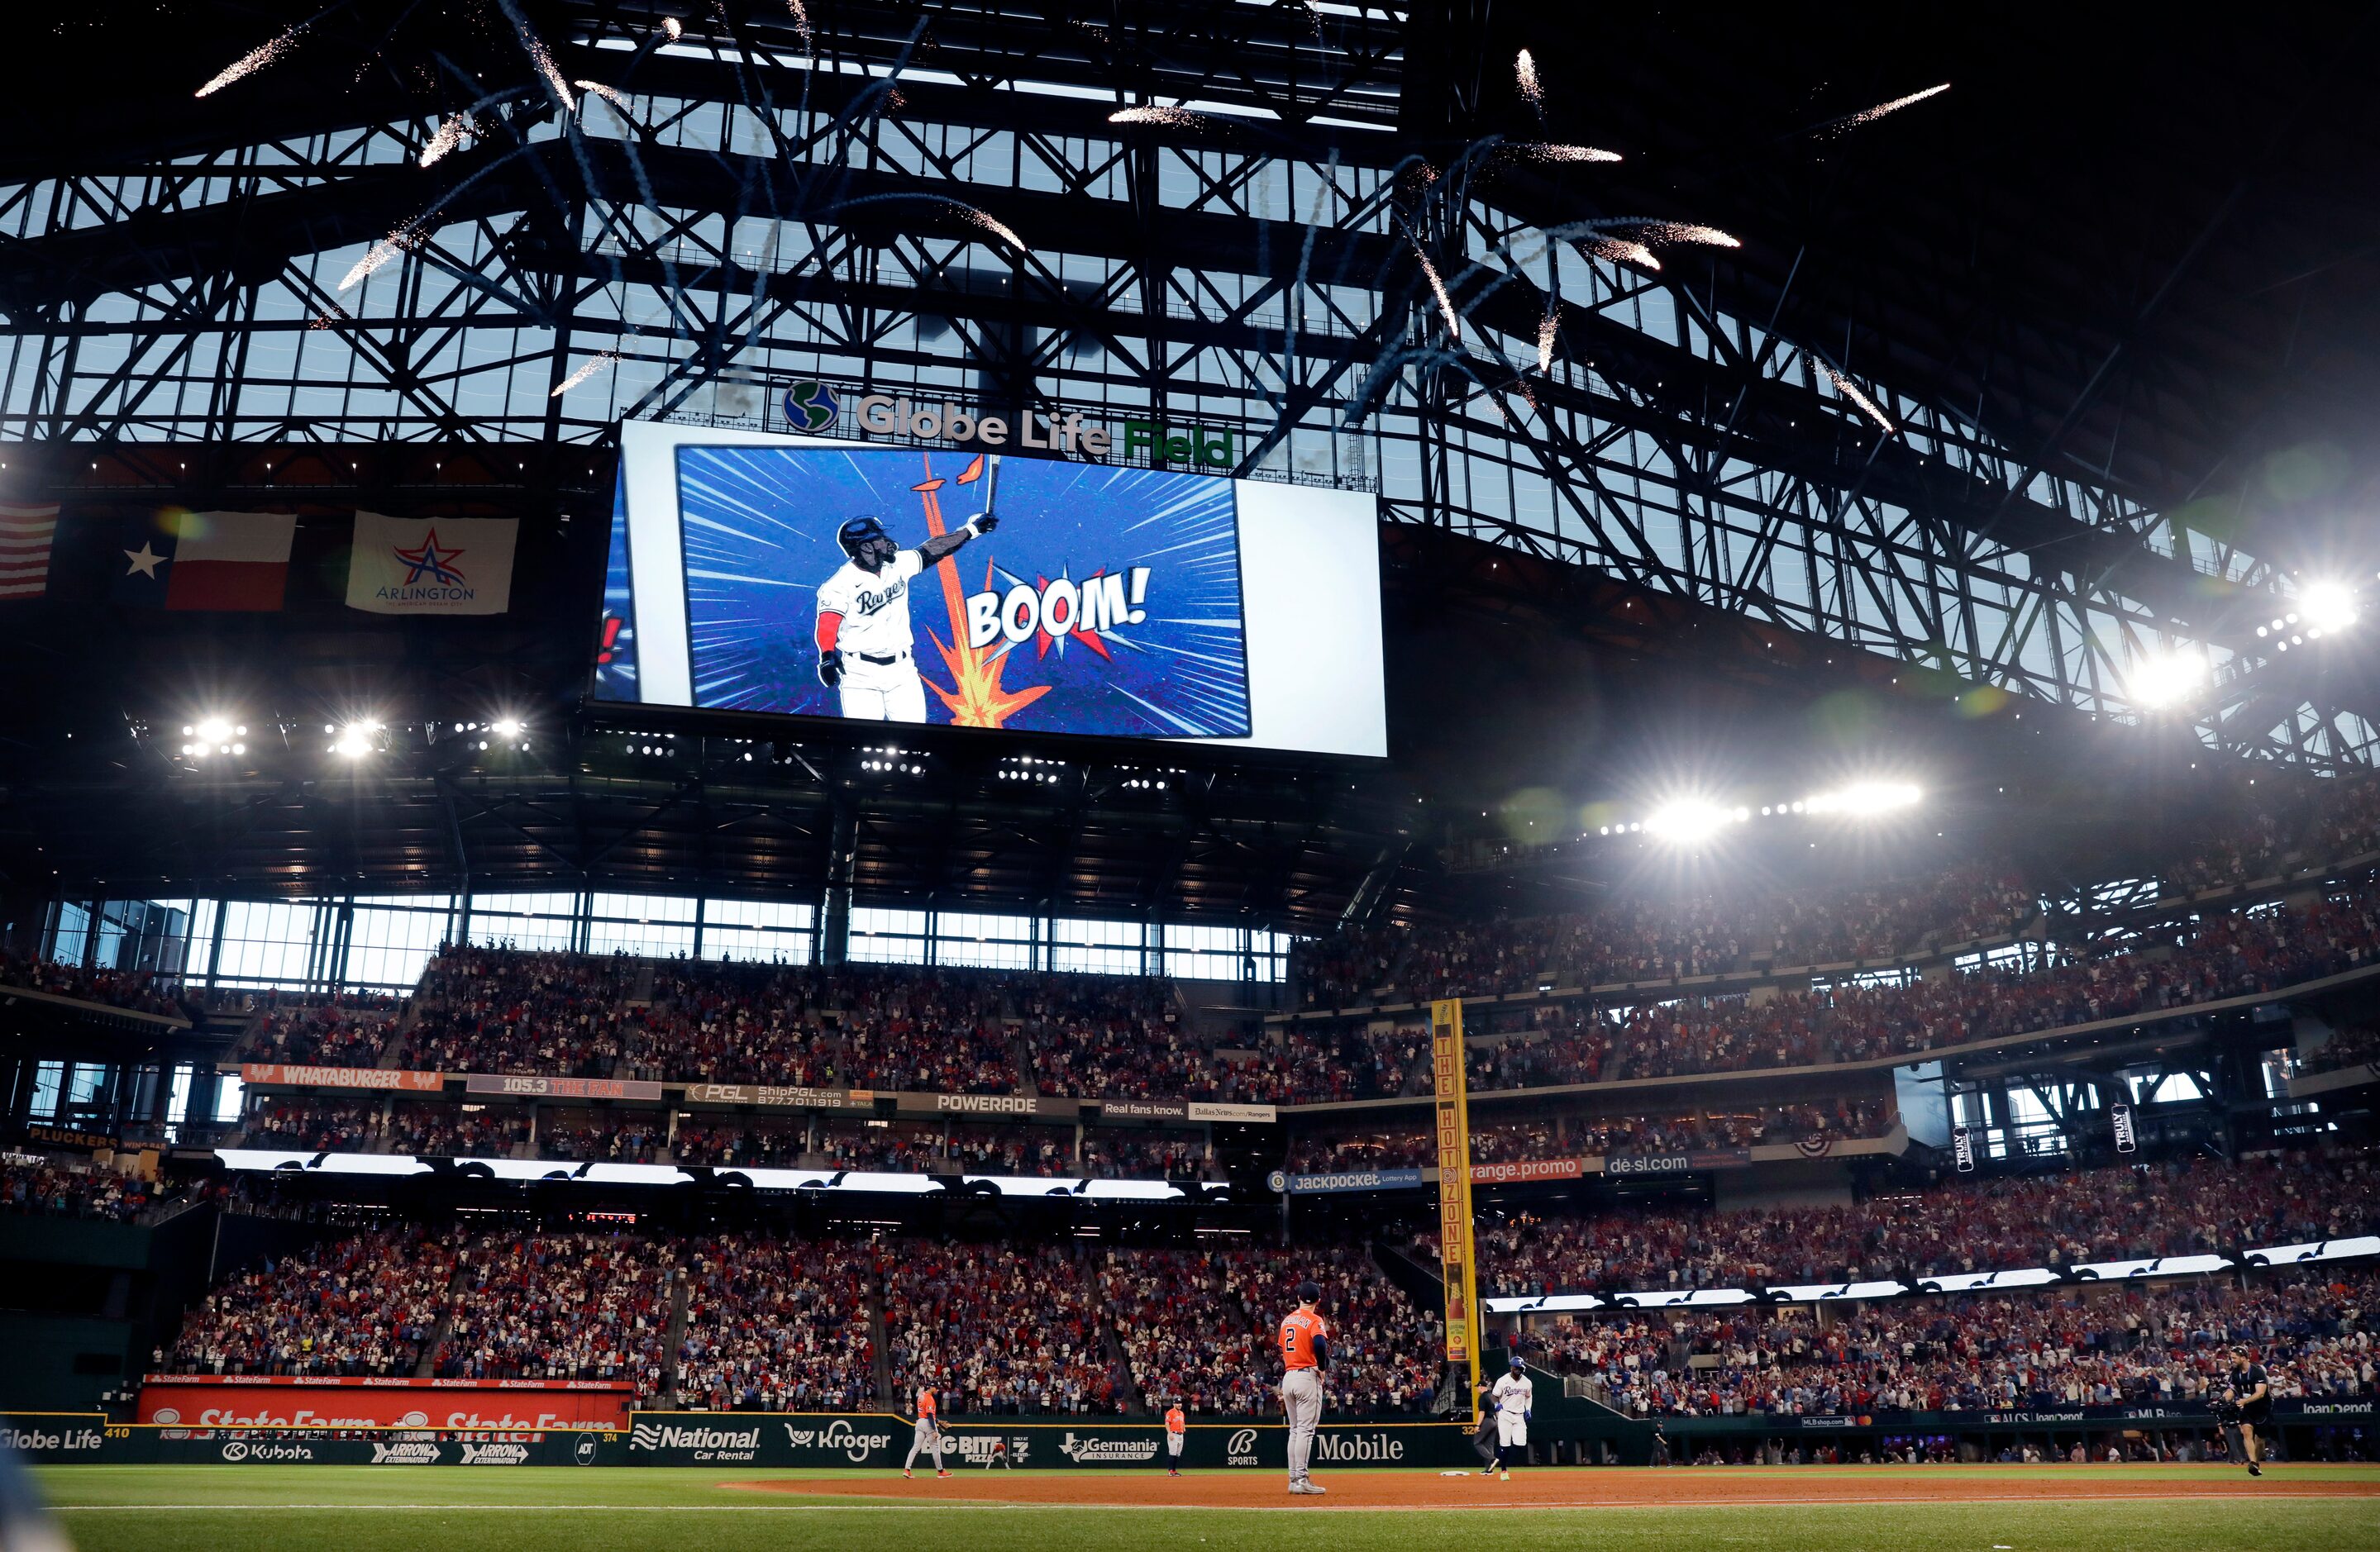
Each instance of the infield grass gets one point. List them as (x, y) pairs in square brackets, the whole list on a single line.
[(430, 1509)]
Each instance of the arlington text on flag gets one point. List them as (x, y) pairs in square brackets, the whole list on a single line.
[(432, 565)]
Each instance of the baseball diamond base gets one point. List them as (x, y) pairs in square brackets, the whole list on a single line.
[(1595, 1487)]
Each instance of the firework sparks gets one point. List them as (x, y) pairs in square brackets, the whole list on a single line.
[(449, 137), (1869, 115), (599, 362), (1529, 151), (1685, 232), (1548, 331), (1178, 118), (1524, 75), (596, 89), (404, 239), (540, 56), (1437, 288), (331, 317), (252, 61), (1618, 251), (672, 28), (994, 226), (1868, 405)]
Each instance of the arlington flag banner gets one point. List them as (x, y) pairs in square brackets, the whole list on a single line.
[(432, 565)]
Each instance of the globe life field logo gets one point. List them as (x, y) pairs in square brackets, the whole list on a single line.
[(810, 407)]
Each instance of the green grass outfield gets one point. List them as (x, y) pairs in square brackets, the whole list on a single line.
[(431, 1509)]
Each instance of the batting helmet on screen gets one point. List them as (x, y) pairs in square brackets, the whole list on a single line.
[(858, 531)]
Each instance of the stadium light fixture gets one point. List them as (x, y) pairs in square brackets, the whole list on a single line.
[(1863, 799), (357, 739), (506, 727), (2163, 679), (2327, 607), (1685, 820)]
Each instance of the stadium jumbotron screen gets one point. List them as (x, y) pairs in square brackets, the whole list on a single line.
[(809, 576)]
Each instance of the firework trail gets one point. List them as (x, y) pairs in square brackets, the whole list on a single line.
[(672, 28), (1528, 150), (1524, 75), (1868, 404), (596, 89), (402, 240), (538, 54), (1438, 287), (252, 61), (1546, 331), (801, 23), (993, 226), (600, 361), (449, 137), (1618, 251), (1179, 119), (331, 318), (1869, 115), (1685, 232)]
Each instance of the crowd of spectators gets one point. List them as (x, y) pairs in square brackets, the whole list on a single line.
[(333, 1033), (37, 1187), (2165, 1345), (1648, 940), (366, 1306), (140, 990), (1583, 1136), (2351, 1047), (446, 1130), (2084, 1216), (318, 1125), (999, 1328), (776, 1325), (500, 1011), (573, 1306), (627, 1137), (742, 1145)]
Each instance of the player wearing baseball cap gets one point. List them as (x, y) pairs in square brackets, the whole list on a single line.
[(1515, 1398), (928, 1436), (1175, 1425), (1304, 1349)]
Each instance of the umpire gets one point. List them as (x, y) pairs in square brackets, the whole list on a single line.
[(1483, 1439)]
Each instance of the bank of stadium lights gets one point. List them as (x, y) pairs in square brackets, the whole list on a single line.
[(1687, 821), (355, 739), (2163, 679), (1032, 768), (503, 731), (213, 735)]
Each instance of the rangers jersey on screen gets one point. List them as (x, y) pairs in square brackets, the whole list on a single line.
[(874, 605)]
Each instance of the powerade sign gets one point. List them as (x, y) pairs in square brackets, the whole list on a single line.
[(1354, 1179)]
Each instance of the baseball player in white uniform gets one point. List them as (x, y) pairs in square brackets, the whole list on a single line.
[(1515, 1398), (865, 648)]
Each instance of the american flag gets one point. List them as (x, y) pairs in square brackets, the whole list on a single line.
[(25, 535)]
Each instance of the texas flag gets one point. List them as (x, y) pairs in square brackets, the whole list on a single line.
[(204, 560)]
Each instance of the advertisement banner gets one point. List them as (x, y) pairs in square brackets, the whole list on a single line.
[(561, 1088), (980, 587), (1200, 1109), (881, 1441), (506, 1406), (1676, 1163), (991, 1105), (54, 1437), (1352, 1179), (780, 1096), (1451, 1085), (1527, 1169), (288, 1074), (1141, 1109)]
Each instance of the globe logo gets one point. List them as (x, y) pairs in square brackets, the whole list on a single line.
[(810, 408)]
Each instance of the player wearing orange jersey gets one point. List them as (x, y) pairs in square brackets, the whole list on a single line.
[(1175, 1425), (1304, 1349), (928, 1433)]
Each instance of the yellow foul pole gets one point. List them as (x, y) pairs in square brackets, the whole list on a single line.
[(1454, 1194)]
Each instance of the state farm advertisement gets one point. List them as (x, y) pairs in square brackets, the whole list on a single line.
[(277, 1401)]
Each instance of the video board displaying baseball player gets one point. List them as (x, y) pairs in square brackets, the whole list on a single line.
[(802, 576)]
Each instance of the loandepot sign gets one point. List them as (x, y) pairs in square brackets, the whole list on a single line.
[(814, 408)]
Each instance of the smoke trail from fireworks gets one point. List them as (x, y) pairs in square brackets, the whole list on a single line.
[(1869, 115), (600, 361), (538, 54), (1529, 151), (801, 23), (1438, 287), (1845, 386), (1524, 75), (449, 137), (596, 89), (252, 61), (1179, 119), (672, 28), (1546, 331)]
